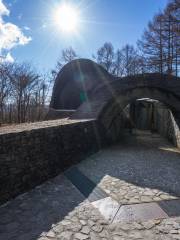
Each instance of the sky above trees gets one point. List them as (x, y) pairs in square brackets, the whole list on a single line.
[(29, 34), (136, 45)]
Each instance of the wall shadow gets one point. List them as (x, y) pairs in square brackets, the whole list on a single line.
[(31, 214)]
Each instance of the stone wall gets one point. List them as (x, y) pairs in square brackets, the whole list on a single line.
[(167, 124), (155, 116), (33, 153)]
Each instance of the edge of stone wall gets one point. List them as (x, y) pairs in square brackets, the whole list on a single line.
[(58, 114), (31, 155), (176, 128), (167, 124)]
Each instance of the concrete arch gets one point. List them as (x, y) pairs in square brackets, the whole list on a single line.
[(105, 93), (75, 82), (155, 86), (115, 106)]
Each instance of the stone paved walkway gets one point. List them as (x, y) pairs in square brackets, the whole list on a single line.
[(145, 169), (148, 167)]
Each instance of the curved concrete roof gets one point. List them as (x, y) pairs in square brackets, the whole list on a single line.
[(102, 90)]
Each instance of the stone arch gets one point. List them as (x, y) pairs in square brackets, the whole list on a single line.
[(105, 93), (75, 82), (114, 106)]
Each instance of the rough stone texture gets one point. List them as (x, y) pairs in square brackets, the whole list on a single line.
[(167, 124), (33, 153), (167, 229), (143, 169), (127, 193), (56, 210), (26, 127), (155, 116)]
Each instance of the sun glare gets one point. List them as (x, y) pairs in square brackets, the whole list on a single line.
[(66, 17)]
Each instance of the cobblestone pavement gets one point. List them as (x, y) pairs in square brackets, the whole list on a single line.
[(56, 210), (144, 170)]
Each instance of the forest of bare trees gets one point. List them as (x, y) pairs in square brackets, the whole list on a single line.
[(157, 51), (160, 43), (122, 62), (24, 94)]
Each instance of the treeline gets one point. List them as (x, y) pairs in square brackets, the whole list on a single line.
[(160, 43), (157, 51), (23, 93), (122, 62)]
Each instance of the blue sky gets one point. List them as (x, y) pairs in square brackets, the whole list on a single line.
[(40, 41)]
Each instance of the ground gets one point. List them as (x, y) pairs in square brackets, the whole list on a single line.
[(141, 179)]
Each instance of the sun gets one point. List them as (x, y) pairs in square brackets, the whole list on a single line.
[(66, 17)]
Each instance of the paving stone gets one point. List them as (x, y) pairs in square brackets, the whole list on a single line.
[(81, 236), (136, 235), (116, 237), (150, 224), (58, 228), (104, 234), (107, 207), (85, 230), (66, 235), (65, 223), (83, 222), (94, 236), (145, 211), (75, 226), (50, 234), (97, 228), (164, 196), (146, 199), (56, 210)]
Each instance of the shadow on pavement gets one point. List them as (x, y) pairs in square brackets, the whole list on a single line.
[(33, 213), (147, 161)]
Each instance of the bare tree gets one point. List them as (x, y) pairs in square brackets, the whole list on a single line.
[(105, 56), (130, 60), (24, 82), (123, 62), (119, 66), (24, 94), (160, 43), (41, 100), (5, 88), (67, 55)]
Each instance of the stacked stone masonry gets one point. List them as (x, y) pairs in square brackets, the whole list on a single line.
[(32, 153)]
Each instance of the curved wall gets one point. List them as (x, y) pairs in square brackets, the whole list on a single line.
[(75, 82), (111, 114)]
